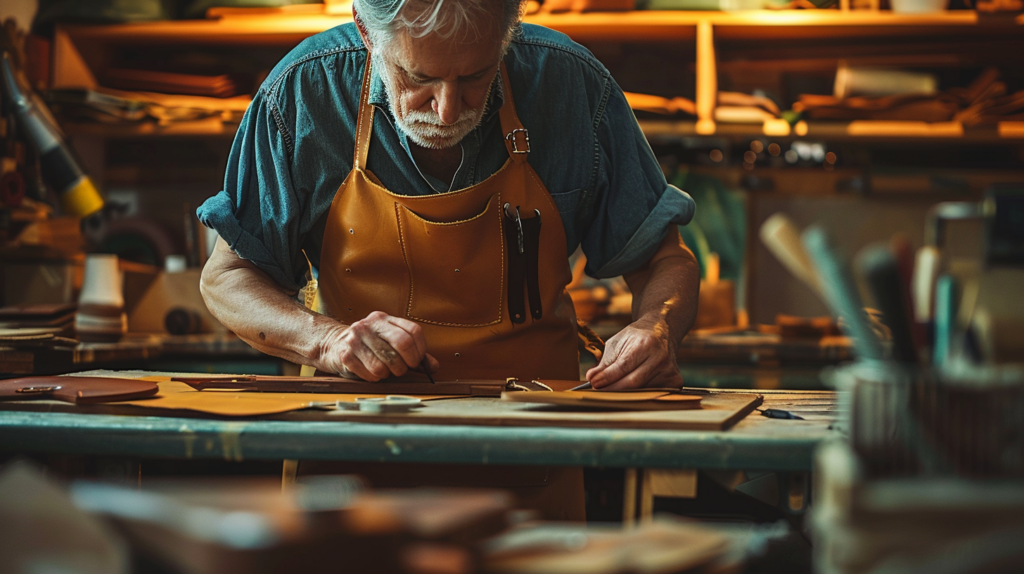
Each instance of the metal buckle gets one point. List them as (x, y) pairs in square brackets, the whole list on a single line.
[(511, 136)]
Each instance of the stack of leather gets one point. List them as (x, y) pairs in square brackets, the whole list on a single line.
[(220, 86), (984, 102), (732, 107), (43, 319)]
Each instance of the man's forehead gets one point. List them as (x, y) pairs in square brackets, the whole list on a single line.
[(435, 56)]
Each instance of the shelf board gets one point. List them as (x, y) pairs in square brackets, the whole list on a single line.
[(637, 25), (656, 130), (213, 127), (866, 131)]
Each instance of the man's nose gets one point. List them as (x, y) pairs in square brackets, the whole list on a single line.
[(446, 104)]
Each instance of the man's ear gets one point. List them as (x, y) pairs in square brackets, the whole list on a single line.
[(362, 29)]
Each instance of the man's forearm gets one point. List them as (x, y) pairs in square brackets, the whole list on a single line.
[(665, 290), (248, 302)]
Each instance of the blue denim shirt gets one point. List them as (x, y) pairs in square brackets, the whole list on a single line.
[(294, 148)]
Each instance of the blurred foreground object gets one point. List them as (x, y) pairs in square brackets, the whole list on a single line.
[(42, 531), (322, 524), (933, 525), (661, 546)]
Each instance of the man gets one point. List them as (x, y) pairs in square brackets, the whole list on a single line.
[(436, 162)]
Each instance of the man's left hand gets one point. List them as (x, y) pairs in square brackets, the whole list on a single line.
[(638, 356)]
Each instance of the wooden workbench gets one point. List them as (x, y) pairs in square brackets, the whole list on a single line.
[(754, 443)]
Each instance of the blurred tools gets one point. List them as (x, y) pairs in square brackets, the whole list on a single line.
[(880, 268), (78, 195), (841, 292), (782, 238)]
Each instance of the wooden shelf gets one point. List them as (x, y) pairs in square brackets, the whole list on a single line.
[(79, 50), (638, 25), (860, 130)]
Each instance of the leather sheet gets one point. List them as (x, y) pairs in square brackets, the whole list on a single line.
[(179, 396)]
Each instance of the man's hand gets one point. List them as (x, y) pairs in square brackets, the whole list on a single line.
[(664, 307), (637, 356), (375, 348)]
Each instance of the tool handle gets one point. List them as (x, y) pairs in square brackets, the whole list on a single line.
[(841, 293), (881, 270)]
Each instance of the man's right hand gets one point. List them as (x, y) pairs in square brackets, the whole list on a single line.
[(376, 347)]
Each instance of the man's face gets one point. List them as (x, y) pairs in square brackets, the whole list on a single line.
[(438, 88)]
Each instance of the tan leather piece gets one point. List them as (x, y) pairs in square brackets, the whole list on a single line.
[(610, 400), (399, 254), (175, 395)]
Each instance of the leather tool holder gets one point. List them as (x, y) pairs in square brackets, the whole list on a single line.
[(522, 238), (78, 390)]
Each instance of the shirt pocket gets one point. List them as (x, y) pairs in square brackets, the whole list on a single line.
[(567, 201)]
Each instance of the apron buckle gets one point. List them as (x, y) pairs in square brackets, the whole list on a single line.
[(511, 136)]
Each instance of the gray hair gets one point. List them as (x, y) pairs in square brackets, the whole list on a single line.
[(383, 19)]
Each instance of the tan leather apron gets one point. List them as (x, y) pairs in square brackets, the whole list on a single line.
[(443, 261)]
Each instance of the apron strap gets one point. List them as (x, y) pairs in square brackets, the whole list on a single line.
[(517, 139), (364, 125)]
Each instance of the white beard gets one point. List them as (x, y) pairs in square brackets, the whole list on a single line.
[(425, 128)]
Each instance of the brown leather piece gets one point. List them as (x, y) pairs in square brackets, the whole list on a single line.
[(79, 390)]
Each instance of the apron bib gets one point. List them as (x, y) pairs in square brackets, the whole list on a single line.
[(470, 266)]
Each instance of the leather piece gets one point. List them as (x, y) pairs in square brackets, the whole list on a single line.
[(363, 267), (178, 396), (78, 390), (654, 400), (469, 264)]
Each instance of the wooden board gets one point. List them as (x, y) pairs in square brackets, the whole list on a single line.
[(719, 411)]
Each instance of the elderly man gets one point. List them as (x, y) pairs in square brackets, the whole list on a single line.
[(433, 164)]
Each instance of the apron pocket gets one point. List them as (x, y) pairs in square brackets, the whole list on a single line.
[(456, 269)]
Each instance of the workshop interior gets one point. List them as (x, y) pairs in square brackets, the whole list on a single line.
[(231, 343)]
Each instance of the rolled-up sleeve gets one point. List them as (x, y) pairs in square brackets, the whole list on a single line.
[(633, 205), (257, 213)]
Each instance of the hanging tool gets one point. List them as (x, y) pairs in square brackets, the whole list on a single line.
[(523, 239), (78, 195)]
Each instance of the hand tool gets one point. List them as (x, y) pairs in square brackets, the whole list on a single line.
[(880, 269), (841, 293), (78, 195), (779, 414), (425, 366), (782, 238)]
